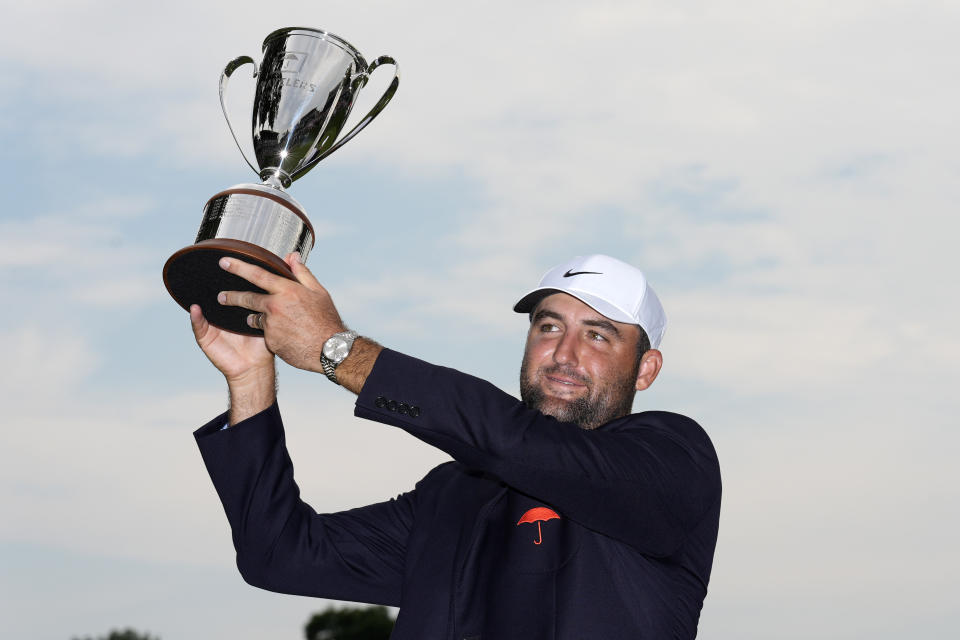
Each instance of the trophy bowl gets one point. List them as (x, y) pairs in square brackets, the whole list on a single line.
[(306, 86)]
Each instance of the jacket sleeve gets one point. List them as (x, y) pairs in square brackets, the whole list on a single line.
[(647, 479), (282, 544)]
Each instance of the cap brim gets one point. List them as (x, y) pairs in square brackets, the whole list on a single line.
[(529, 302)]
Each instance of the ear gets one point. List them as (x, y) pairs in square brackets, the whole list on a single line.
[(650, 365)]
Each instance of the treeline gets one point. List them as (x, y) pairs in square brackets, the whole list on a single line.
[(345, 623)]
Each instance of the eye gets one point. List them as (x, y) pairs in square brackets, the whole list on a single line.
[(547, 327), (596, 337)]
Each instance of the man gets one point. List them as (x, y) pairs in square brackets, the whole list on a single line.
[(562, 516)]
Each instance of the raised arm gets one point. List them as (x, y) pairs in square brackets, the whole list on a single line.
[(647, 479), (282, 544)]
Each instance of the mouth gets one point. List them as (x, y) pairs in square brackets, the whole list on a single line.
[(563, 385), (564, 381)]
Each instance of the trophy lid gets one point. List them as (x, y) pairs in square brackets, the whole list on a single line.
[(322, 35)]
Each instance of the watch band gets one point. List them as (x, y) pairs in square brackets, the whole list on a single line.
[(329, 368)]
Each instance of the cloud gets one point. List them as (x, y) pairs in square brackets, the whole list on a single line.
[(41, 364), (82, 255), (833, 506)]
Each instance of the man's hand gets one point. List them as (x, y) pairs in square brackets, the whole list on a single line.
[(298, 316), (243, 360)]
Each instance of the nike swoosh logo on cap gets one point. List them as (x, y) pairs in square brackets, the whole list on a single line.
[(570, 274)]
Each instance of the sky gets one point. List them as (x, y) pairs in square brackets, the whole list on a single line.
[(784, 173)]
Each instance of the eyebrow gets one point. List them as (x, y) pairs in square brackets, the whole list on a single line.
[(543, 313), (602, 324)]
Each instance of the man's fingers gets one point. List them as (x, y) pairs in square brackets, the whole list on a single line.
[(198, 322), (253, 274), (300, 271), (245, 299)]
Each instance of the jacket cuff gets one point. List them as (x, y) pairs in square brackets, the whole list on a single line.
[(393, 390), (269, 415)]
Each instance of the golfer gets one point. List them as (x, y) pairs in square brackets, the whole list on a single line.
[(561, 515)]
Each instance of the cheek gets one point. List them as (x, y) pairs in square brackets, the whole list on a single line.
[(604, 371), (535, 351)]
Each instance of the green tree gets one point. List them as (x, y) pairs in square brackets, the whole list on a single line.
[(123, 634), (350, 623)]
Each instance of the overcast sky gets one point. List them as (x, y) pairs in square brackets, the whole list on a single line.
[(785, 173)]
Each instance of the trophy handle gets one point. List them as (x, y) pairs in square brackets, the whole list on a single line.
[(232, 66), (377, 108)]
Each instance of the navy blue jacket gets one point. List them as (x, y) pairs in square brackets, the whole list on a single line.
[(538, 529)]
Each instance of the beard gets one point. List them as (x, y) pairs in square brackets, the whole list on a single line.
[(612, 399)]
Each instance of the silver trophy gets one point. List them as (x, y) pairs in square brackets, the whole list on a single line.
[(306, 84)]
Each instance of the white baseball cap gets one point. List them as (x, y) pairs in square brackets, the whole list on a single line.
[(612, 288)]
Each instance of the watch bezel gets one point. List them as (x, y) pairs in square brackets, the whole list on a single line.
[(336, 343)]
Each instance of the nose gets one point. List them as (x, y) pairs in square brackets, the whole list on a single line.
[(566, 352)]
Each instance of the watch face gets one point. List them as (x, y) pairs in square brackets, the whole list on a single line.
[(337, 348), (333, 349)]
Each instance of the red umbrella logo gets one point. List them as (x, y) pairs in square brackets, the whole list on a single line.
[(538, 515)]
